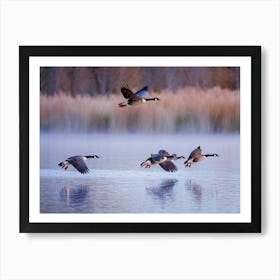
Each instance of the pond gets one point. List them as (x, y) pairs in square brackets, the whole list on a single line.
[(117, 183)]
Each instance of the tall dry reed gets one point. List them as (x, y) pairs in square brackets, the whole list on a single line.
[(188, 109)]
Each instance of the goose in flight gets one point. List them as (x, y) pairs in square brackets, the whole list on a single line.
[(78, 162), (135, 98), (196, 156), (164, 159)]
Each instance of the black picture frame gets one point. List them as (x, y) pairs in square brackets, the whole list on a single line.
[(254, 52)]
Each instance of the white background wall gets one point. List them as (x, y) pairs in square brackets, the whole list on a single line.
[(139, 256)]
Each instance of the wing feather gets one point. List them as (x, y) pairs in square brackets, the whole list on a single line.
[(142, 92), (156, 157), (127, 93), (80, 165), (163, 153), (195, 153), (168, 166)]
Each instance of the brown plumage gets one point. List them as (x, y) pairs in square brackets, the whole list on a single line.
[(196, 156), (135, 98)]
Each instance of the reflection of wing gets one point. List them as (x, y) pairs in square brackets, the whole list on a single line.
[(168, 166), (80, 165), (142, 92), (74, 195), (169, 183), (127, 93), (195, 153)]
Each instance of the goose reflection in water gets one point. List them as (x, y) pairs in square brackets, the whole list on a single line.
[(74, 196), (164, 191), (195, 188)]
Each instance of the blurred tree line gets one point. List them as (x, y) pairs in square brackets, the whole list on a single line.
[(106, 80)]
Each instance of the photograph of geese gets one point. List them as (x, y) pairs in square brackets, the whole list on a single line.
[(125, 149)]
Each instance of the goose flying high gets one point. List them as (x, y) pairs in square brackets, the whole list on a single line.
[(78, 162), (196, 156), (164, 159), (135, 98)]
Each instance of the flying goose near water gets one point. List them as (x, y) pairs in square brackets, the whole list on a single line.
[(135, 98), (78, 162), (164, 159), (196, 156)]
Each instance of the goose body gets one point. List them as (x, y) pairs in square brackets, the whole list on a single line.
[(196, 156), (135, 98), (164, 159), (78, 162)]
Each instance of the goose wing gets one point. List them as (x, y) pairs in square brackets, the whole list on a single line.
[(127, 93), (168, 166), (156, 157), (195, 153), (142, 92), (163, 153), (79, 164)]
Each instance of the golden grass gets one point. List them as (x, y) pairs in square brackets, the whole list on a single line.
[(188, 109)]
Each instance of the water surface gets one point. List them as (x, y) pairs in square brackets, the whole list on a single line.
[(117, 184)]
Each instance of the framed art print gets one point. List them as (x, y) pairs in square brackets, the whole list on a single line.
[(140, 138)]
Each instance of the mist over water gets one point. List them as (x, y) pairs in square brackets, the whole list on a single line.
[(117, 184), (81, 103)]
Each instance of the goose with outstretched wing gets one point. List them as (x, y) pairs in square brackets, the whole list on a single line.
[(135, 98), (77, 162), (196, 156), (163, 159)]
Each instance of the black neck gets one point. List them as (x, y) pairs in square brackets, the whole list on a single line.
[(210, 155), (174, 157), (94, 156), (171, 156), (180, 157)]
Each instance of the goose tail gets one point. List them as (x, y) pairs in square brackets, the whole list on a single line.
[(146, 163), (122, 104), (64, 165)]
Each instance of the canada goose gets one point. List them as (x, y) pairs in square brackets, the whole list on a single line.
[(164, 159), (196, 156), (135, 98), (78, 162)]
